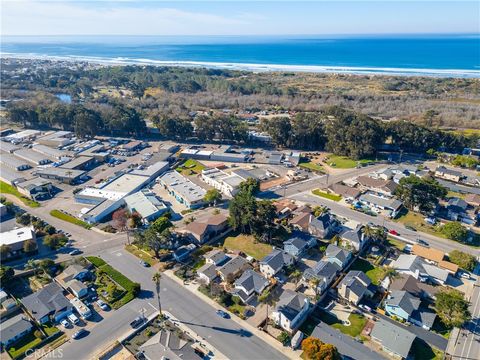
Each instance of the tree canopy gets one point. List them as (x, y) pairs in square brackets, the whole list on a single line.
[(462, 259), (421, 193), (315, 349), (451, 307), (455, 231)]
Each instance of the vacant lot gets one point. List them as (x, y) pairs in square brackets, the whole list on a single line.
[(190, 167), (343, 162), (69, 218), (417, 221), (248, 245), (312, 166)]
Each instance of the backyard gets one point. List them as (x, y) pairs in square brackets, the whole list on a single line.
[(190, 167), (357, 323), (9, 189), (248, 245), (69, 218), (375, 274)]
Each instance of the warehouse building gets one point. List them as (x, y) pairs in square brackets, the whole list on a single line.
[(147, 204), (8, 147), (10, 176), (182, 189), (56, 139), (22, 136), (33, 156), (67, 176), (16, 238), (80, 163), (14, 162), (49, 151)]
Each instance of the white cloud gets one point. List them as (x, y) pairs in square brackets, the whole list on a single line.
[(28, 17)]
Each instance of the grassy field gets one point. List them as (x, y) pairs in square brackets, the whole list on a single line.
[(400, 245), (343, 162), (141, 254), (9, 189), (312, 166), (357, 323), (248, 245), (376, 274), (69, 218), (455, 194), (417, 221), (190, 167), (327, 195)]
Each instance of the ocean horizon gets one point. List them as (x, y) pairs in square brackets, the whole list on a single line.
[(442, 55)]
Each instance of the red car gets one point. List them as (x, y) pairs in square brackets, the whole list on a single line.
[(393, 232)]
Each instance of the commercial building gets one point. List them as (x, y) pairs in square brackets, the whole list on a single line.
[(22, 136), (80, 163), (154, 170), (227, 184), (16, 238), (35, 188), (68, 176), (184, 191), (101, 210), (50, 152), (8, 147), (56, 139), (33, 157), (10, 176), (14, 162), (147, 204)]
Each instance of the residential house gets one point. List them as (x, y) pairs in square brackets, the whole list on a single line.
[(324, 272), (296, 246), (207, 273), (205, 230), (418, 289), (74, 271), (216, 257), (414, 265), (473, 199), (355, 238), (47, 304), (275, 262), (77, 288), (337, 255), (382, 202), (456, 208), (322, 226), (380, 186), (395, 339), (355, 286), (249, 284), (14, 329), (16, 238), (183, 252), (168, 344), (229, 271), (435, 257), (448, 174), (291, 310), (404, 305), (284, 208), (301, 220), (345, 191)]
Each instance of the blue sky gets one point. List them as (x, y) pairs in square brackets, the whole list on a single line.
[(128, 17)]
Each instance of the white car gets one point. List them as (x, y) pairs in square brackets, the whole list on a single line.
[(102, 304), (465, 275), (65, 323)]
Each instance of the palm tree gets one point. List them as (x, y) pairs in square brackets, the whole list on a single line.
[(314, 283), (391, 273), (32, 265), (369, 232), (156, 279), (296, 275)]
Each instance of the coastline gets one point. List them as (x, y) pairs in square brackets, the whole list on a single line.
[(346, 70)]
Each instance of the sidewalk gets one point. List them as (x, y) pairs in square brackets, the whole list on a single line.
[(290, 353)]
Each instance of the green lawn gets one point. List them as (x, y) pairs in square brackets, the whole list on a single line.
[(376, 274), (248, 245), (312, 166), (141, 254), (327, 195), (417, 221), (190, 167), (343, 162), (422, 351), (455, 194), (395, 243), (27, 342), (357, 323), (69, 218), (9, 189)]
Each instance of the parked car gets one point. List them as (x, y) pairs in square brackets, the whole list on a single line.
[(102, 304), (74, 319), (365, 307), (65, 323), (410, 228), (137, 321), (144, 264), (223, 314), (393, 232), (79, 334), (423, 242), (75, 252)]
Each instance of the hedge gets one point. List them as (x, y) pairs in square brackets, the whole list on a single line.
[(96, 261), (69, 218)]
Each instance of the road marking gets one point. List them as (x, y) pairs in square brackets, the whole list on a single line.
[(154, 308), (473, 332)]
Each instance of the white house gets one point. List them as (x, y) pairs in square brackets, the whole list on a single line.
[(291, 310)]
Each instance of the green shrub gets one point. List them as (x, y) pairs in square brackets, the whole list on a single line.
[(96, 261)]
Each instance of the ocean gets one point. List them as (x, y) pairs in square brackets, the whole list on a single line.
[(430, 55)]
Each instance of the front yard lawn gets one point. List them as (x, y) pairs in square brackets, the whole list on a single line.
[(248, 245), (141, 254), (422, 351), (417, 221), (343, 162), (190, 167), (69, 218), (395, 243), (27, 342), (327, 195), (376, 274), (9, 189)]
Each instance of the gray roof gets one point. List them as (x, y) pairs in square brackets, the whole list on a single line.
[(77, 162), (145, 203), (457, 202), (251, 280), (425, 316), (404, 300), (183, 186), (277, 259), (14, 326), (393, 337), (380, 201), (60, 172), (33, 183), (13, 162), (34, 156), (334, 251), (357, 282), (9, 174), (234, 265), (76, 286), (296, 242), (322, 270), (354, 236), (209, 270), (344, 343), (446, 170), (290, 304), (322, 222), (72, 271), (215, 255), (45, 301), (168, 345), (415, 264)]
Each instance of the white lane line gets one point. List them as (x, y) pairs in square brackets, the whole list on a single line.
[(473, 332)]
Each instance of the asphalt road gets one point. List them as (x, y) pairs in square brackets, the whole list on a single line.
[(459, 187), (343, 211), (224, 334), (467, 345)]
